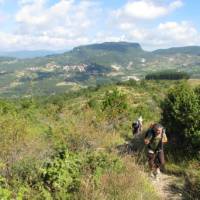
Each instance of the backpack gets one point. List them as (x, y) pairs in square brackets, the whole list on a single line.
[(135, 125)]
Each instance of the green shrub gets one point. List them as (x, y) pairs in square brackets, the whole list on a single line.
[(99, 162), (7, 107), (5, 193), (197, 92), (93, 103), (114, 104), (61, 175), (181, 116)]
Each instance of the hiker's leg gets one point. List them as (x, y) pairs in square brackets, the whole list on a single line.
[(151, 161), (161, 158), (136, 131)]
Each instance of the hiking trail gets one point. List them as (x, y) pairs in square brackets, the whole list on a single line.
[(166, 187)]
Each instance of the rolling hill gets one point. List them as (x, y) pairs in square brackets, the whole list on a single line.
[(191, 50), (91, 65)]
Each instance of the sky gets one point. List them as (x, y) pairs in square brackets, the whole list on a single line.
[(64, 24)]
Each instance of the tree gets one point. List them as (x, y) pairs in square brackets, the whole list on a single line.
[(167, 75), (181, 116)]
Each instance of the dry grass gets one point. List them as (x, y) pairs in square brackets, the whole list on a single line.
[(194, 82), (92, 129), (131, 184)]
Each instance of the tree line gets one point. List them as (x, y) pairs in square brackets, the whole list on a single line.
[(167, 75)]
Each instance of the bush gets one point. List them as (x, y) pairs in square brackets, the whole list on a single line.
[(7, 107), (93, 103), (100, 162), (181, 116), (61, 175), (197, 92), (4, 192), (114, 104)]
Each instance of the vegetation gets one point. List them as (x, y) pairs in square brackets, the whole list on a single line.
[(68, 146), (64, 146), (114, 104), (167, 75), (181, 116)]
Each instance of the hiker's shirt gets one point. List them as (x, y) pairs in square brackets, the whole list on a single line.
[(155, 141)]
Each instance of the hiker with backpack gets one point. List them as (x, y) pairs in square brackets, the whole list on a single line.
[(137, 126), (154, 139)]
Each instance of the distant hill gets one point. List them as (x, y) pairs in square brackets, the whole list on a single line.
[(91, 65), (107, 53), (3, 58), (112, 46), (192, 50), (29, 54)]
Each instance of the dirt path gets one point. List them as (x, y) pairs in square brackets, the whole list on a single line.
[(165, 185)]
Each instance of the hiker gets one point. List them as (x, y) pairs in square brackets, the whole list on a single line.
[(137, 126), (154, 139)]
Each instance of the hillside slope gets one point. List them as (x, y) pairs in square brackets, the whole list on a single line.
[(69, 146), (91, 65)]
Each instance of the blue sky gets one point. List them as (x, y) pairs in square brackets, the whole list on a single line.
[(64, 24)]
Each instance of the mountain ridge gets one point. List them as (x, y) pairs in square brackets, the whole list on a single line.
[(107, 46)]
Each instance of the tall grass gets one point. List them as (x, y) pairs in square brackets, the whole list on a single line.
[(131, 184)]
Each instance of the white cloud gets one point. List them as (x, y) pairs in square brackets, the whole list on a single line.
[(70, 23), (108, 37), (62, 18), (164, 35), (31, 14), (127, 20), (28, 42), (183, 33), (176, 4), (64, 24), (145, 9)]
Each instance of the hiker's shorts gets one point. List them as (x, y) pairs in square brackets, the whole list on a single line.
[(155, 159)]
